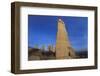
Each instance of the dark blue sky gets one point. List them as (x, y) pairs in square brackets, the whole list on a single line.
[(42, 30)]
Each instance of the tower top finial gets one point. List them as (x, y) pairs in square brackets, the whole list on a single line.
[(60, 20)]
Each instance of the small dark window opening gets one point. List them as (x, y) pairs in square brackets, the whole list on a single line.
[(69, 54)]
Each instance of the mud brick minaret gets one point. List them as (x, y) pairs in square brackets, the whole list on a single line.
[(63, 47)]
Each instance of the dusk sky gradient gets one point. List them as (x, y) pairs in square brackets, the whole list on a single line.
[(42, 30)]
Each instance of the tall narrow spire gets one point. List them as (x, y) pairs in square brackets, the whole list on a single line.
[(63, 47)]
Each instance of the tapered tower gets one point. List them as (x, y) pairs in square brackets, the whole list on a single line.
[(63, 47)]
